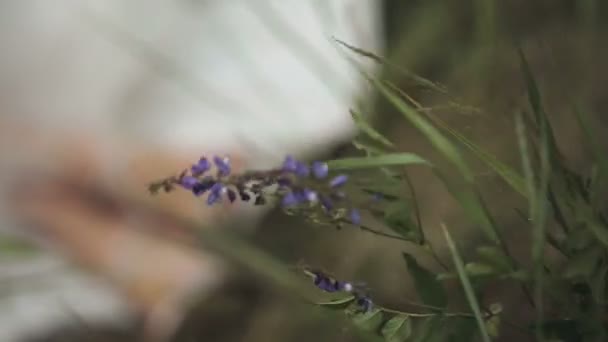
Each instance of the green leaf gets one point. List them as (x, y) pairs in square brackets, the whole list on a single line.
[(495, 257), (369, 321), (369, 130), (339, 303), (535, 102), (478, 269), (368, 147), (398, 218), (466, 284), (397, 329), (426, 328), (427, 286), (391, 159)]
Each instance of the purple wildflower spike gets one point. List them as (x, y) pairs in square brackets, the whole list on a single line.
[(201, 167), (215, 194), (338, 181), (290, 199), (355, 217), (188, 182), (302, 170), (290, 164), (326, 203), (320, 169), (223, 165), (309, 195), (203, 186)]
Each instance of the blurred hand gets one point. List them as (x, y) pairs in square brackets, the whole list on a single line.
[(72, 189)]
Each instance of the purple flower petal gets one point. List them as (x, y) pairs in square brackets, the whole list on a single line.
[(223, 165), (203, 186), (201, 167), (290, 164), (188, 182), (302, 170), (215, 194), (290, 199), (309, 195), (326, 203), (320, 169), (355, 217), (338, 181)]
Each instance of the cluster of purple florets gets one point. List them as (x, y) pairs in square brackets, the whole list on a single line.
[(295, 183), (328, 284)]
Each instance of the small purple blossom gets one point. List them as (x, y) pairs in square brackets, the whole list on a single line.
[(355, 216), (215, 194), (223, 165), (188, 182), (290, 164), (365, 303), (201, 167), (338, 181), (326, 203), (320, 169), (290, 199), (205, 184), (309, 195), (302, 170), (324, 283)]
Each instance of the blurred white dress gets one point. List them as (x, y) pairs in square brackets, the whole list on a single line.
[(260, 77)]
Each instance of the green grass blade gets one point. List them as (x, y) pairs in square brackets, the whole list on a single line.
[(384, 61), (391, 159), (369, 130), (466, 284), (438, 141), (520, 130), (539, 227), (507, 173)]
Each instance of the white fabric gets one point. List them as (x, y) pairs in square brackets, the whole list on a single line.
[(258, 76)]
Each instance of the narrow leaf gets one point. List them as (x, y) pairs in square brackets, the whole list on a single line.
[(369, 321), (391, 159), (466, 284), (397, 329), (368, 129), (427, 286)]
